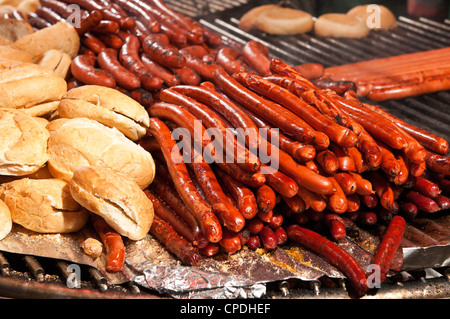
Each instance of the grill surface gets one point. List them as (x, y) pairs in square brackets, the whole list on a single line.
[(24, 276)]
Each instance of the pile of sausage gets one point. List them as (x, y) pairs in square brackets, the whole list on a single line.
[(339, 160)]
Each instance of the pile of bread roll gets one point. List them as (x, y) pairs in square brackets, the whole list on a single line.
[(67, 154), (356, 23)]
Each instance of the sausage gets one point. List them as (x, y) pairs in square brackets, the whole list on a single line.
[(244, 197), (363, 186), (115, 248), (313, 200), (389, 163), (358, 158), (265, 198), (194, 30), (144, 97), (347, 182), (346, 162), (268, 238), (287, 103), (382, 189), (111, 40), (211, 38), (228, 214), (92, 42), (175, 243), (48, 15), (276, 220), (170, 196), (366, 218), (169, 216), (327, 161), (417, 169), (129, 58), (335, 225), (254, 225), (256, 55), (261, 107), (370, 201), (353, 203), (275, 88), (83, 69), (247, 178), (442, 201), (90, 22), (162, 53), (37, 22), (337, 202), (409, 210), (187, 75), (209, 250), (375, 124), (142, 15), (299, 151), (296, 204), (281, 235), (230, 242), (228, 59), (107, 26), (423, 203), (108, 61), (310, 70), (369, 148), (430, 141), (403, 173), (254, 242), (264, 216), (389, 244), (426, 187), (438, 163), (169, 78), (242, 157), (229, 110), (333, 254), (201, 210)]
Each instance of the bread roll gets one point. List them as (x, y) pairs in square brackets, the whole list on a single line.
[(23, 143), (247, 21), (84, 142), (43, 205), (10, 54), (13, 29), (56, 61), (60, 36), (340, 25), (284, 21), (107, 106), (28, 85), (5, 220), (117, 199), (377, 17)]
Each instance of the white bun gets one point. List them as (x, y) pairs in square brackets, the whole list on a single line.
[(118, 200), (340, 25), (107, 106), (5, 220), (281, 20), (84, 142), (43, 205), (23, 143), (377, 17)]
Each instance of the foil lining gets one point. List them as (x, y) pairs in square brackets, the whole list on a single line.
[(244, 274)]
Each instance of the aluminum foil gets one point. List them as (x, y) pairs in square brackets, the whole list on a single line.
[(244, 274)]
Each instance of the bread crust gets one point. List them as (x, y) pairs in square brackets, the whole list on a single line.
[(118, 200), (340, 25)]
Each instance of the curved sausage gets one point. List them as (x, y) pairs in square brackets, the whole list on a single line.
[(108, 61), (256, 55), (83, 69)]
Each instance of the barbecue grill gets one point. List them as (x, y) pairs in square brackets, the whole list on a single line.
[(26, 276)]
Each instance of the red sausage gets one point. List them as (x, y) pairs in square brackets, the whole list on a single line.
[(107, 60), (268, 238), (335, 225), (426, 187), (265, 198), (228, 59), (83, 69), (115, 248), (389, 244), (170, 78), (333, 254), (256, 55), (423, 203), (162, 53)]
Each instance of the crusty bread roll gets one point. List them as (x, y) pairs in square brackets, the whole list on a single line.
[(107, 106), (340, 25), (5, 220), (377, 17), (23, 143), (56, 61), (247, 21), (117, 199), (84, 142), (43, 205), (284, 21), (13, 29), (10, 54), (28, 85), (60, 36)]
